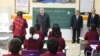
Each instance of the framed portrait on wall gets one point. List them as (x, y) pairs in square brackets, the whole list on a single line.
[(22, 5)]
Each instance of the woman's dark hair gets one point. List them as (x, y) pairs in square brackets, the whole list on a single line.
[(15, 45), (56, 30), (20, 13), (93, 27), (37, 26), (53, 45)]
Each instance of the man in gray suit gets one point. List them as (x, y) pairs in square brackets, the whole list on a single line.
[(44, 20)]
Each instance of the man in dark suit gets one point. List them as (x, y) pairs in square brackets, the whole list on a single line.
[(76, 25), (93, 18), (44, 20)]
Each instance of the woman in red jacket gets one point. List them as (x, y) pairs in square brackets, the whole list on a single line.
[(91, 35), (56, 33), (35, 41), (19, 26)]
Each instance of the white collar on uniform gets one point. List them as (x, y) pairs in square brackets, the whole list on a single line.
[(35, 36)]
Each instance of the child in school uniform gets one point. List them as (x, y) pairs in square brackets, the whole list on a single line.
[(34, 42), (14, 47), (39, 31), (56, 33), (55, 29), (91, 35), (52, 46)]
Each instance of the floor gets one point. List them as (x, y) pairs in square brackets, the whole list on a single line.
[(72, 50)]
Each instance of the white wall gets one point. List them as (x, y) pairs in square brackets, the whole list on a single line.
[(97, 6)]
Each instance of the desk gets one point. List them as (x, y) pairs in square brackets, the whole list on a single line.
[(5, 36), (82, 44), (2, 51), (5, 33)]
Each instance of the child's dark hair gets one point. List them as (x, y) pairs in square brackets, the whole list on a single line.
[(93, 27), (56, 30), (53, 45), (15, 45), (32, 30), (37, 26)]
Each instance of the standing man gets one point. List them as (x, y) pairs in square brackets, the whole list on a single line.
[(76, 25), (93, 18), (19, 26), (44, 20)]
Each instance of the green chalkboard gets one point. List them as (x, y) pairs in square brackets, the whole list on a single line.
[(62, 16)]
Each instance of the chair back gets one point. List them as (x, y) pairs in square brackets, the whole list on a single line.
[(30, 53), (95, 42), (61, 54)]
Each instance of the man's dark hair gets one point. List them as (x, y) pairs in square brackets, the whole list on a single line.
[(20, 13), (56, 30), (15, 45), (52, 45)]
